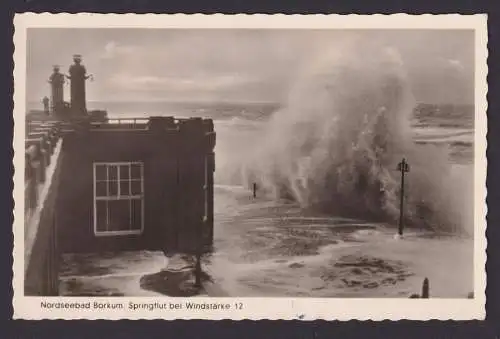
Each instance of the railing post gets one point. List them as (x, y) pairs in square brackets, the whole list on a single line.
[(47, 151), (31, 183), (33, 193)]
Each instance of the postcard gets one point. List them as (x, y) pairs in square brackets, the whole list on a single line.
[(250, 166)]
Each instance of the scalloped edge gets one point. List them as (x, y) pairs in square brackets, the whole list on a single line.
[(457, 309)]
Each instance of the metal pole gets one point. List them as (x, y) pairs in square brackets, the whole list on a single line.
[(401, 198), (255, 190), (403, 168)]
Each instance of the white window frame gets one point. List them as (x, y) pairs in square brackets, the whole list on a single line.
[(129, 197)]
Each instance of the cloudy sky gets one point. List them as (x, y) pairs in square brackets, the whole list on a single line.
[(236, 65)]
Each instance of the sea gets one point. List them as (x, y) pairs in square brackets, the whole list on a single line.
[(325, 219)]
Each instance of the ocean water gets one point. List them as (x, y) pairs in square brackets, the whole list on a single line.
[(325, 217)]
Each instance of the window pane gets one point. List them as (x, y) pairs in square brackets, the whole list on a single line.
[(124, 172), (119, 215), (136, 187), (100, 172), (136, 171), (124, 214), (100, 189), (113, 188), (101, 215), (136, 214), (124, 188), (112, 172)]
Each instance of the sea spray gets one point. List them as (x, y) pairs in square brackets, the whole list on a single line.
[(335, 144)]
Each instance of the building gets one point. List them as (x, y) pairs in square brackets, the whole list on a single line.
[(114, 185), (141, 185)]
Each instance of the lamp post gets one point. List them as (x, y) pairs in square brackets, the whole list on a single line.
[(403, 167)]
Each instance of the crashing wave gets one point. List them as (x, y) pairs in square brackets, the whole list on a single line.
[(335, 145)]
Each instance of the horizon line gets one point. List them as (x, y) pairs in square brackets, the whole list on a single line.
[(187, 101)]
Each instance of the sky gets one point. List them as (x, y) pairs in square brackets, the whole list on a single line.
[(237, 65)]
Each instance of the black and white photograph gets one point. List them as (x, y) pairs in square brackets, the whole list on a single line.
[(245, 162)]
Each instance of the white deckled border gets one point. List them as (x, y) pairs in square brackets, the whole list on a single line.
[(262, 308), (255, 21)]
